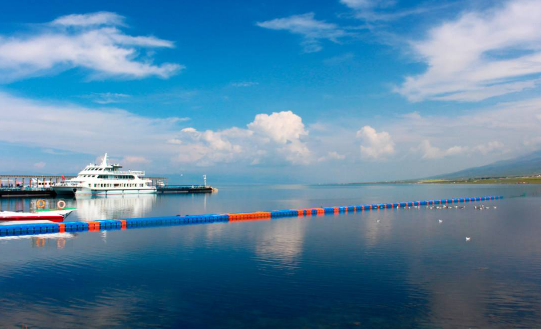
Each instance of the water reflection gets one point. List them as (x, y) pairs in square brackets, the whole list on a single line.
[(377, 224), (54, 240), (90, 209), (405, 271), (281, 244)]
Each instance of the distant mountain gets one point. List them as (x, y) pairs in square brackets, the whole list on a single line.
[(524, 165)]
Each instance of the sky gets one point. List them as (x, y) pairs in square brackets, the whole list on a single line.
[(269, 91)]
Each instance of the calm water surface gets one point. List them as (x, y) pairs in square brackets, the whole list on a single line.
[(382, 269)]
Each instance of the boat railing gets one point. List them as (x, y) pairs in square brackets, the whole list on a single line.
[(25, 188), (133, 172), (67, 183), (181, 186)]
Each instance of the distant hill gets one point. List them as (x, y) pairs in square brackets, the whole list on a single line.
[(525, 165)]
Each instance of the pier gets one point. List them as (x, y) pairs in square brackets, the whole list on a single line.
[(168, 189), (21, 186), (128, 223)]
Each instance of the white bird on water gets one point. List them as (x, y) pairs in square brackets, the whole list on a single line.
[(468, 238), (378, 221), (441, 221)]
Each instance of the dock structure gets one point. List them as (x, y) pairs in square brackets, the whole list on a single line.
[(169, 189), (128, 223), (13, 181), (32, 181), (20, 186)]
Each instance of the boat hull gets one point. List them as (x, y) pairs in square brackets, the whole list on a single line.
[(21, 218), (64, 190), (92, 192)]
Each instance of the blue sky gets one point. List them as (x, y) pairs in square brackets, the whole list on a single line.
[(269, 91)]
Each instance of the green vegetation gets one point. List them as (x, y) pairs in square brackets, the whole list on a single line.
[(485, 180)]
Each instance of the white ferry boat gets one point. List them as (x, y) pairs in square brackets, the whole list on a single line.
[(105, 179)]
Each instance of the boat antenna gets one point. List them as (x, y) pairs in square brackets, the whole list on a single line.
[(104, 162)]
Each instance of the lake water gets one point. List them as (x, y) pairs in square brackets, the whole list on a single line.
[(394, 268)]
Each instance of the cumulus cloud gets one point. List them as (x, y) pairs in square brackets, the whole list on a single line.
[(282, 127), (479, 55), (269, 138), (90, 41), (375, 145), (311, 29), (432, 152)]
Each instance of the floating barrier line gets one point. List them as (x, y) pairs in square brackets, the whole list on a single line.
[(126, 223)]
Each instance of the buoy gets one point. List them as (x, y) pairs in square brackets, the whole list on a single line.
[(61, 204), (31, 229)]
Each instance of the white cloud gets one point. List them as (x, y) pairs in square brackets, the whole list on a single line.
[(269, 138), (54, 152), (40, 165), (412, 115), (366, 4), (244, 84), (479, 55), (432, 152), (375, 145), (340, 59), (134, 159), (107, 98), (368, 9), (533, 142), (99, 18), (333, 155), (490, 147), (383, 11), (282, 127), (312, 30), (210, 147), (78, 129), (175, 141), (277, 138), (487, 134), (90, 41)]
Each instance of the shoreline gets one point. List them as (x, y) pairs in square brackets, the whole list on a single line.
[(527, 180)]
